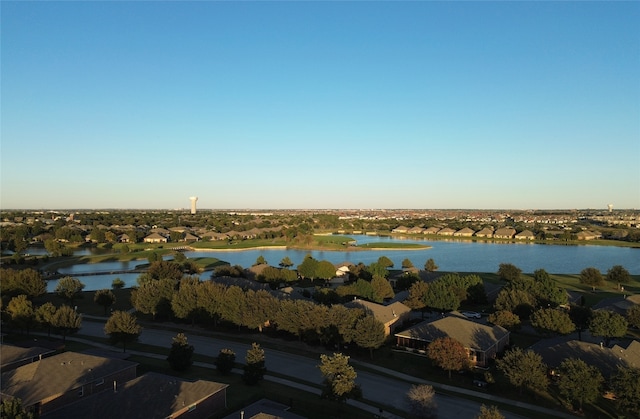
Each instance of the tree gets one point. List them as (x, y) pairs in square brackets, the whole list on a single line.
[(161, 269), (69, 289), (325, 270), (618, 274), (122, 327), (285, 263), (67, 321), (448, 354), (591, 276), (633, 315), (184, 302), (381, 288), (579, 382), (440, 297), (254, 369), (625, 384), (430, 266), (21, 311), (509, 272), (385, 261), (154, 297), (181, 353), (261, 261), (339, 378), (581, 317), (421, 400), (104, 298), (506, 319), (225, 361), (30, 283), (117, 284), (307, 269), (369, 334), (551, 320), (607, 325), (417, 296), (406, 264), (490, 412), (524, 369), (44, 316), (11, 408), (516, 301)]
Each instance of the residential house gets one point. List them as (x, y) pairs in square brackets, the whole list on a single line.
[(607, 360), (16, 356), (151, 395), (619, 304), (504, 233), (400, 229), (482, 342), (446, 231), (155, 238), (415, 230), (485, 232), (188, 237), (392, 315), (464, 232), (588, 235), (53, 382), (431, 230), (124, 238), (525, 235)]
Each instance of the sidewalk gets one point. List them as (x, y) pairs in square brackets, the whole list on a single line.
[(359, 404)]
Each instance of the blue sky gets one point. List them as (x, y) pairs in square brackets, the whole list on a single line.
[(320, 104)]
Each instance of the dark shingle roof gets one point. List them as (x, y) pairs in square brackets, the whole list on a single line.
[(472, 335), (58, 374), (151, 395)]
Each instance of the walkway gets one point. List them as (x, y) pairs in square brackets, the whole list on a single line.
[(380, 384)]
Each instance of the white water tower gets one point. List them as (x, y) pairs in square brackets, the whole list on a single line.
[(610, 207), (193, 200)]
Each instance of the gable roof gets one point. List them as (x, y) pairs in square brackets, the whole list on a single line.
[(58, 374), (472, 335), (16, 354), (382, 313), (605, 359), (151, 395)]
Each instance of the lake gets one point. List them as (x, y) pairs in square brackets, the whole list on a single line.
[(450, 255)]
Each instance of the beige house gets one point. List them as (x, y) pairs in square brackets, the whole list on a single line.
[(588, 235), (485, 232), (464, 232), (155, 238), (391, 316), (526, 235), (431, 230), (504, 233), (446, 231), (482, 342)]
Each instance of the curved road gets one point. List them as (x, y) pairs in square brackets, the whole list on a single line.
[(380, 388)]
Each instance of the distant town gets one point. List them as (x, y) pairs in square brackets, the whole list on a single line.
[(196, 337)]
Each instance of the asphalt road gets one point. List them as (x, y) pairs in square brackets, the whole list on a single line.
[(380, 388)]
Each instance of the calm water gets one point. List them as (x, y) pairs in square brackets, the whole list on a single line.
[(457, 256)]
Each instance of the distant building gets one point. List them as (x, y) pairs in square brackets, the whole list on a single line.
[(193, 200)]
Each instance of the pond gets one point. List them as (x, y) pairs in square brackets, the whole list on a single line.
[(450, 255)]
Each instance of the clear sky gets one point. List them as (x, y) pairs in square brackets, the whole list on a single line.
[(320, 104)]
